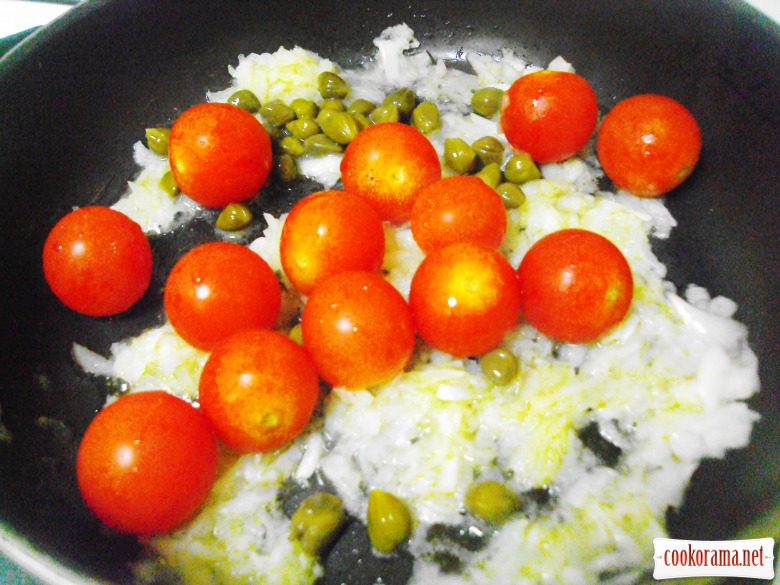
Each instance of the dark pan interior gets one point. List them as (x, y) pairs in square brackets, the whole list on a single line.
[(78, 94)]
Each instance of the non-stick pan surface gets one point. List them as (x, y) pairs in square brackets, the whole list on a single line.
[(77, 95)]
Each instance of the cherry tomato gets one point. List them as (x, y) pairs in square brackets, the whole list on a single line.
[(388, 164), (328, 232), (648, 144), (97, 261), (464, 298), (219, 288), (574, 285), (457, 209), (146, 463), (549, 114), (358, 329), (219, 154), (259, 389)]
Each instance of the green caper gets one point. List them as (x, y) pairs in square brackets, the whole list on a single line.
[(362, 120), (157, 140), (487, 101), (296, 334), (459, 156), (246, 100), (333, 104), (321, 144), (499, 366), (512, 195), (285, 167), (331, 85), (520, 168), (292, 145), (323, 115), (303, 127), (425, 117), (386, 112), (389, 521), (404, 99), (491, 174), (489, 150), (168, 184), (360, 106), (233, 217), (340, 127), (277, 114), (317, 521), (304, 108), (492, 501)]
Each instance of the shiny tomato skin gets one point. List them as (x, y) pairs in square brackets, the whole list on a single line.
[(648, 144), (146, 463), (259, 389), (575, 285), (388, 163), (464, 299), (358, 329), (219, 288), (549, 114), (97, 261), (457, 209), (328, 232), (219, 154)]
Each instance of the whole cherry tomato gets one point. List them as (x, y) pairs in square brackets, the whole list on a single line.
[(219, 154), (259, 389), (146, 463), (219, 288), (358, 329), (97, 261), (457, 209), (574, 285), (648, 144), (549, 114), (388, 164), (464, 298), (328, 232)]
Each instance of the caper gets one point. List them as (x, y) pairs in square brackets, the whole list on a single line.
[(246, 100), (520, 168), (168, 184), (331, 85), (296, 334), (492, 501), (285, 167), (362, 120), (425, 117), (360, 106), (323, 115), (487, 101), (233, 217), (333, 104), (317, 521), (292, 145), (321, 144), (489, 150), (491, 174), (304, 108), (157, 140), (512, 195), (458, 155), (303, 128), (389, 521), (277, 114), (386, 112), (499, 366), (340, 127), (404, 99)]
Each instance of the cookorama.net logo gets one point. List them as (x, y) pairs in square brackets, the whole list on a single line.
[(751, 559)]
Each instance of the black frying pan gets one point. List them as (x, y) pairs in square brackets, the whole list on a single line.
[(78, 94)]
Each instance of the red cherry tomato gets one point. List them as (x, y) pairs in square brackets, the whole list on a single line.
[(217, 289), (146, 463), (574, 285), (97, 261), (458, 209), (219, 154), (388, 164), (328, 232), (464, 298), (549, 114), (259, 389), (648, 144), (358, 329)]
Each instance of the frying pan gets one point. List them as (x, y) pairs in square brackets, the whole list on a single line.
[(79, 93)]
